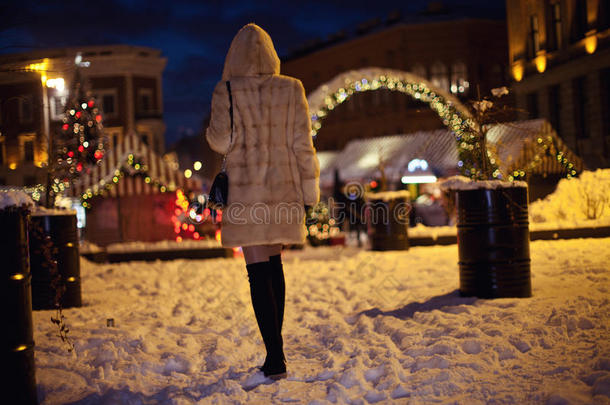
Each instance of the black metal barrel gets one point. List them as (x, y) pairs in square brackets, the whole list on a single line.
[(55, 238), (17, 308), (388, 223), (493, 242)]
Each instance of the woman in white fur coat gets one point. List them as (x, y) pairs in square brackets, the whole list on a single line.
[(273, 173)]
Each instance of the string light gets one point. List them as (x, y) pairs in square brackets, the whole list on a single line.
[(131, 166), (464, 128)]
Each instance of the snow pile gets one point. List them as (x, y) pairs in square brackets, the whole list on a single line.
[(14, 198), (163, 245), (361, 327), (464, 183), (52, 211), (583, 200)]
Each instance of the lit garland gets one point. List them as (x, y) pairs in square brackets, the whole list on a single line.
[(320, 227), (546, 146), (131, 167), (35, 192), (463, 127)]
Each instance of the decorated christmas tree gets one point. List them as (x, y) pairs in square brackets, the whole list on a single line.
[(79, 144)]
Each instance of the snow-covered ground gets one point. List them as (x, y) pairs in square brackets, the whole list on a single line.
[(361, 327)]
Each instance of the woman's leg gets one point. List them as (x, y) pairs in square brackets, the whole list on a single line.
[(265, 306), (260, 253)]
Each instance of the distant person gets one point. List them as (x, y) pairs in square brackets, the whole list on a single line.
[(273, 173)]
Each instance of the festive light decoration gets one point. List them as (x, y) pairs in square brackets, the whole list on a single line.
[(545, 146), (131, 166), (457, 118), (320, 227), (451, 113), (80, 143)]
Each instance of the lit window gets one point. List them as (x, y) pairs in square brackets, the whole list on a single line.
[(419, 70), (145, 100), (58, 105), (108, 104), (459, 84), (26, 147), (534, 37), (439, 76), (108, 100), (25, 109)]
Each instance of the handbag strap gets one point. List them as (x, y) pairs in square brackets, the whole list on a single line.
[(224, 158)]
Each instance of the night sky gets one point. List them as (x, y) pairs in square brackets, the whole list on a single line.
[(195, 35)]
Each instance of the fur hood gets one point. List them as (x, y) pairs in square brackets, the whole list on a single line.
[(251, 54)]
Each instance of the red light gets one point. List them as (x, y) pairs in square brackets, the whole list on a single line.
[(90, 103), (178, 238), (98, 154), (79, 167), (78, 114), (178, 211), (196, 235), (373, 184), (217, 235), (98, 118), (191, 228), (177, 230), (185, 227), (70, 154), (81, 148), (65, 127)]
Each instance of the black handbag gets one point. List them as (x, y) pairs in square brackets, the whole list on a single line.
[(219, 192)]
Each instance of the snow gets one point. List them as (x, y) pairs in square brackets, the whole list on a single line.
[(14, 198), (572, 199), (162, 245), (361, 327), (39, 210), (464, 183)]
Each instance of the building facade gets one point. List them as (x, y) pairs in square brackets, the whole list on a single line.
[(125, 80), (559, 53), (463, 56)]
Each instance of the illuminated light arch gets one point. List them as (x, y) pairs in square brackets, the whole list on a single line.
[(451, 111), (454, 115)]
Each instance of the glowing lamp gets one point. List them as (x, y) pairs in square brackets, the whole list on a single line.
[(188, 173), (591, 42), (517, 72), (197, 165), (418, 179), (58, 83), (540, 62)]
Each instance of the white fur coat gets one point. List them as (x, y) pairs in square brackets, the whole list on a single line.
[(272, 165)]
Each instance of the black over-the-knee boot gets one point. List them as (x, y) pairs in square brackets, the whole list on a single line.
[(265, 309), (279, 286)]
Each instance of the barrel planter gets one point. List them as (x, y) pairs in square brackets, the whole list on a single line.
[(493, 242), (17, 308), (55, 261), (388, 220)]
